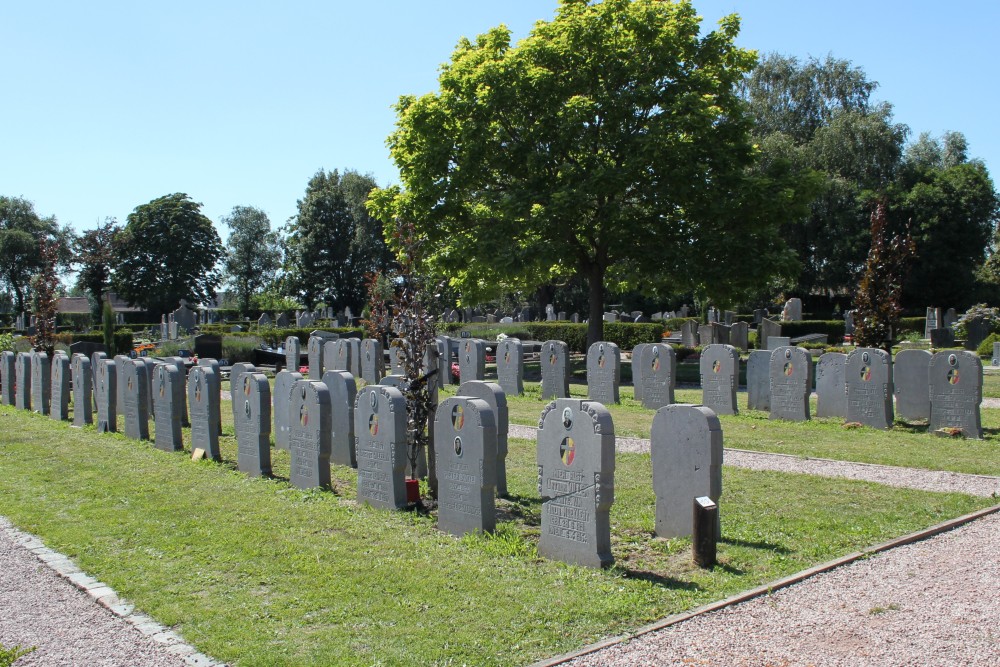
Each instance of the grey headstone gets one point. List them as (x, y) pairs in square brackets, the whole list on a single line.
[(60, 388), (136, 399), (203, 386), (309, 435), (739, 336), (603, 372), (637, 370), (942, 338), (774, 342), (472, 360), (849, 322), (281, 321), (41, 382), (791, 383), (337, 355), (510, 366), (380, 446), (397, 357), (765, 330), (7, 377), (83, 390), (686, 455), (496, 399), (178, 363), (950, 317), (283, 383), (343, 393), (956, 388), (793, 310), (759, 380), (911, 384), (293, 353), (120, 361), (215, 366), (106, 392), (728, 317), (722, 333), (316, 351), (659, 375), (444, 360), (95, 363), (995, 361), (933, 321), (168, 394), (395, 381), (372, 361), (465, 450), (976, 332), (554, 360), (708, 334), (831, 385), (689, 334), (869, 387), (236, 372), (252, 422), (355, 345), (720, 372), (576, 480)]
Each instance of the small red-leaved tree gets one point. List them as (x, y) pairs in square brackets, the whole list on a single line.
[(877, 305), (46, 287)]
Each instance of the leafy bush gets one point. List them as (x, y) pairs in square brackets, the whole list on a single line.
[(237, 349), (6, 342), (990, 316), (912, 325), (123, 339), (985, 349)]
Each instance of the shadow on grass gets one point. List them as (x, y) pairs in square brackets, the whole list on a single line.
[(659, 579), (766, 546), (524, 509)]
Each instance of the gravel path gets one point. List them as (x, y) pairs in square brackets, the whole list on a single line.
[(928, 603), (907, 478)]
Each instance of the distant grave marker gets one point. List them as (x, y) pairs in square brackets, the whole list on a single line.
[(603, 372), (510, 366), (554, 359), (720, 367), (472, 360)]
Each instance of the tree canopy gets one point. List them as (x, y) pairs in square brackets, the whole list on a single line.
[(21, 229), (609, 144), (167, 251), (93, 257), (253, 253)]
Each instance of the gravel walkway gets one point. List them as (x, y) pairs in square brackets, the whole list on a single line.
[(928, 603)]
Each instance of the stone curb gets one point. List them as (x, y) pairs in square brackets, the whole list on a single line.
[(107, 598), (766, 589)]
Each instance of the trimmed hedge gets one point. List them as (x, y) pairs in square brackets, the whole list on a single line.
[(123, 340), (917, 324), (834, 329)]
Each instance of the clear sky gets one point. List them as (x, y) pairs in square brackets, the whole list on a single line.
[(109, 105)]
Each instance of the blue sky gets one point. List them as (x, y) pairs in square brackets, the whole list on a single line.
[(112, 104)]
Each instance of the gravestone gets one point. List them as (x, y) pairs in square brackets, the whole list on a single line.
[(309, 435), (933, 321), (41, 382), (168, 394), (510, 366), (208, 345), (849, 322), (728, 317), (236, 372), (83, 390), (185, 316), (397, 357), (59, 409), (293, 353), (911, 384), (281, 321), (22, 381), (380, 446), (708, 334), (793, 310), (720, 372), (178, 363), (942, 338), (494, 396), (554, 361), (465, 449), (472, 360), (252, 423), (396, 381), (576, 480), (791, 375), (337, 355), (372, 361), (976, 332), (759, 380), (603, 372), (85, 348), (135, 399), (203, 386), (995, 361), (7, 375), (637, 370), (264, 320), (106, 393), (685, 449), (774, 342), (283, 383), (120, 360), (766, 329), (355, 345), (722, 333), (215, 366), (315, 351), (831, 385), (444, 360), (950, 317), (956, 391), (343, 392), (869, 387), (739, 336), (689, 334), (659, 375), (96, 357), (759, 314)]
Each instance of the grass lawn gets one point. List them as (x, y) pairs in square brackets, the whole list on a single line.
[(255, 572)]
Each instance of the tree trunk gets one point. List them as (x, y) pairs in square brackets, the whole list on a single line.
[(595, 329)]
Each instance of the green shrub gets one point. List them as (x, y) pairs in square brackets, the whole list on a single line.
[(8, 656), (123, 339), (980, 311), (237, 348), (911, 325), (985, 349)]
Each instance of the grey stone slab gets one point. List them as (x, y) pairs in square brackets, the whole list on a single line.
[(343, 394), (689, 334), (510, 366), (178, 363), (576, 480), (95, 358), (603, 372), (995, 361), (316, 351), (791, 374), (472, 360), (136, 399), (759, 380), (637, 370), (209, 362), (168, 394), (720, 372), (774, 342), (956, 389), (372, 361), (397, 357), (554, 359), (686, 454), (765, 330), (7, 377), (106, 393), (659, 375), (283, 383), (444, 360), (236, 372), (22, 381), (309, 435), (203, 384), (59, 380), (739, 336), (355, 345), (41, 382), (337, 355), (252, 417), (831, 385), (911, 384), (396, 381), (869, 387), (120, 361), (293, 353), (942, 338), (708, 335), (465, 449), (380, 445), (496, 399), (932, 321)]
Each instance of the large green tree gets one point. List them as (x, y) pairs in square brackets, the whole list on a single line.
[(21, 229), (253, 253), (333, 243), (609, 144), (92, 255), (167, 251)]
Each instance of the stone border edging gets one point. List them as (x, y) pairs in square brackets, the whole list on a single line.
[(765, 589), (105, 596)]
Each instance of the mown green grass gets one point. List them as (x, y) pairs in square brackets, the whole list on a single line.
[(255, 572)]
